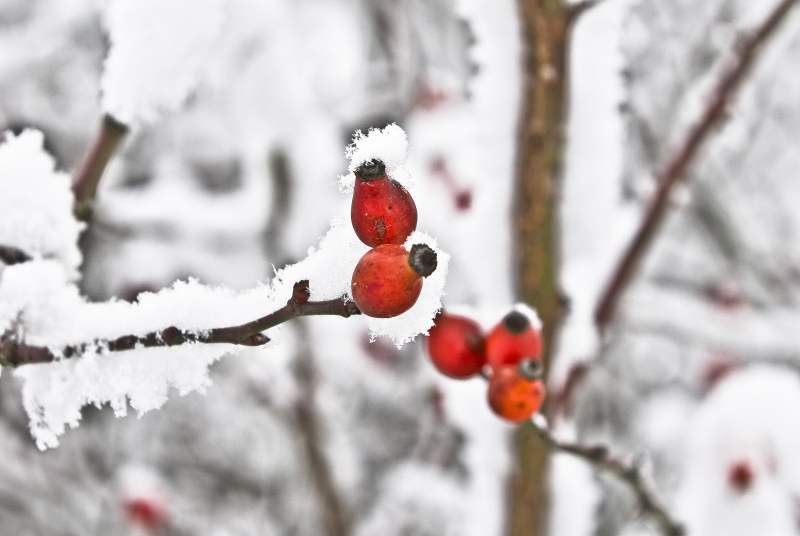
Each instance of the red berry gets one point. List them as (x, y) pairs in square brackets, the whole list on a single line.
[(512, 340), (146, 512), (388, 279), (516, 392), (382, 211), (456, 346), (741, 475)]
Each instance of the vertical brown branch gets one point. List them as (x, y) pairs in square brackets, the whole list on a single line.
[(109, 135), (679, 164), (546, 28), (333, 517)]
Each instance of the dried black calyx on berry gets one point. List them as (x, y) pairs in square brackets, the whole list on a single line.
[(531, 369), (371, 170), (422, 259), (516, 322)]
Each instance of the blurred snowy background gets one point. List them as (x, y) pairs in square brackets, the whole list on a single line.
[(231, 173)]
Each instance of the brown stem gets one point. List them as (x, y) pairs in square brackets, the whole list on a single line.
[(598, 457), (11, 255), (14, 353), (84, 184), (681, 161)]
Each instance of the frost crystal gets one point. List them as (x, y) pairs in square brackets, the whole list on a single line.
[(157, 52)]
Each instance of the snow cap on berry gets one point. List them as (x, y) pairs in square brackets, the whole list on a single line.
[(529, 313), (388, 145)]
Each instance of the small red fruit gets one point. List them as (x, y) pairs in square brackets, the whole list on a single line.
[(388, 279), (741, 475), (145, 512), (512, 340), (517, 392), (456, 346), (382, 212)]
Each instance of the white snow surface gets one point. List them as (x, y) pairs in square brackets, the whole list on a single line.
[(158, 49), (36, 202), (750, 417)]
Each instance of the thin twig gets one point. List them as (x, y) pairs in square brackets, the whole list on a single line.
[(598, 457), (11, 255), (679, 164), (109, 135), (14, 353)]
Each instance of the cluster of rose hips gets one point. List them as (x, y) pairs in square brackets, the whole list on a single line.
[(509, 355), (388, 279)]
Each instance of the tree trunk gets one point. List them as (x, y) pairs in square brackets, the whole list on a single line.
[(546, 31)]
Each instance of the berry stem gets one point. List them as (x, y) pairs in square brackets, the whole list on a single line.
[(14, 353)]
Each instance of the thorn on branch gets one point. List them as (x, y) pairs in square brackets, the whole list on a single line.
[(301, 292)]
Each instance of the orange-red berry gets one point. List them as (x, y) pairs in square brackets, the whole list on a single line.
[(388, 279), (513, 340), (516, 392), (382, 212), (456, 346)]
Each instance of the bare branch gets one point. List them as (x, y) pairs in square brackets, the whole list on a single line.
[(11, 255), (84, 184), (333, 513), (599, 458), (14, 353), (576, 10), (679, 164)]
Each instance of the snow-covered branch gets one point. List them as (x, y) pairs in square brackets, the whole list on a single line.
[(598, 457), (14, 353), (679, 164)]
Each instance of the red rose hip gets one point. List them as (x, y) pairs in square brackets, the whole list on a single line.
[(456, 346), (516, 392), (382, 211), (513, 340), (388, 279), (146, 512)]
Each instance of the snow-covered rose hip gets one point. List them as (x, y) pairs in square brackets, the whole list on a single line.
[(456, 346), (512, 340), (388, 279), (382, 211), (516, 392)]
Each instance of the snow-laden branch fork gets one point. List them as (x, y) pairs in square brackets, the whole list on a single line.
[(14, 353), (680, 163), (598, 456)]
